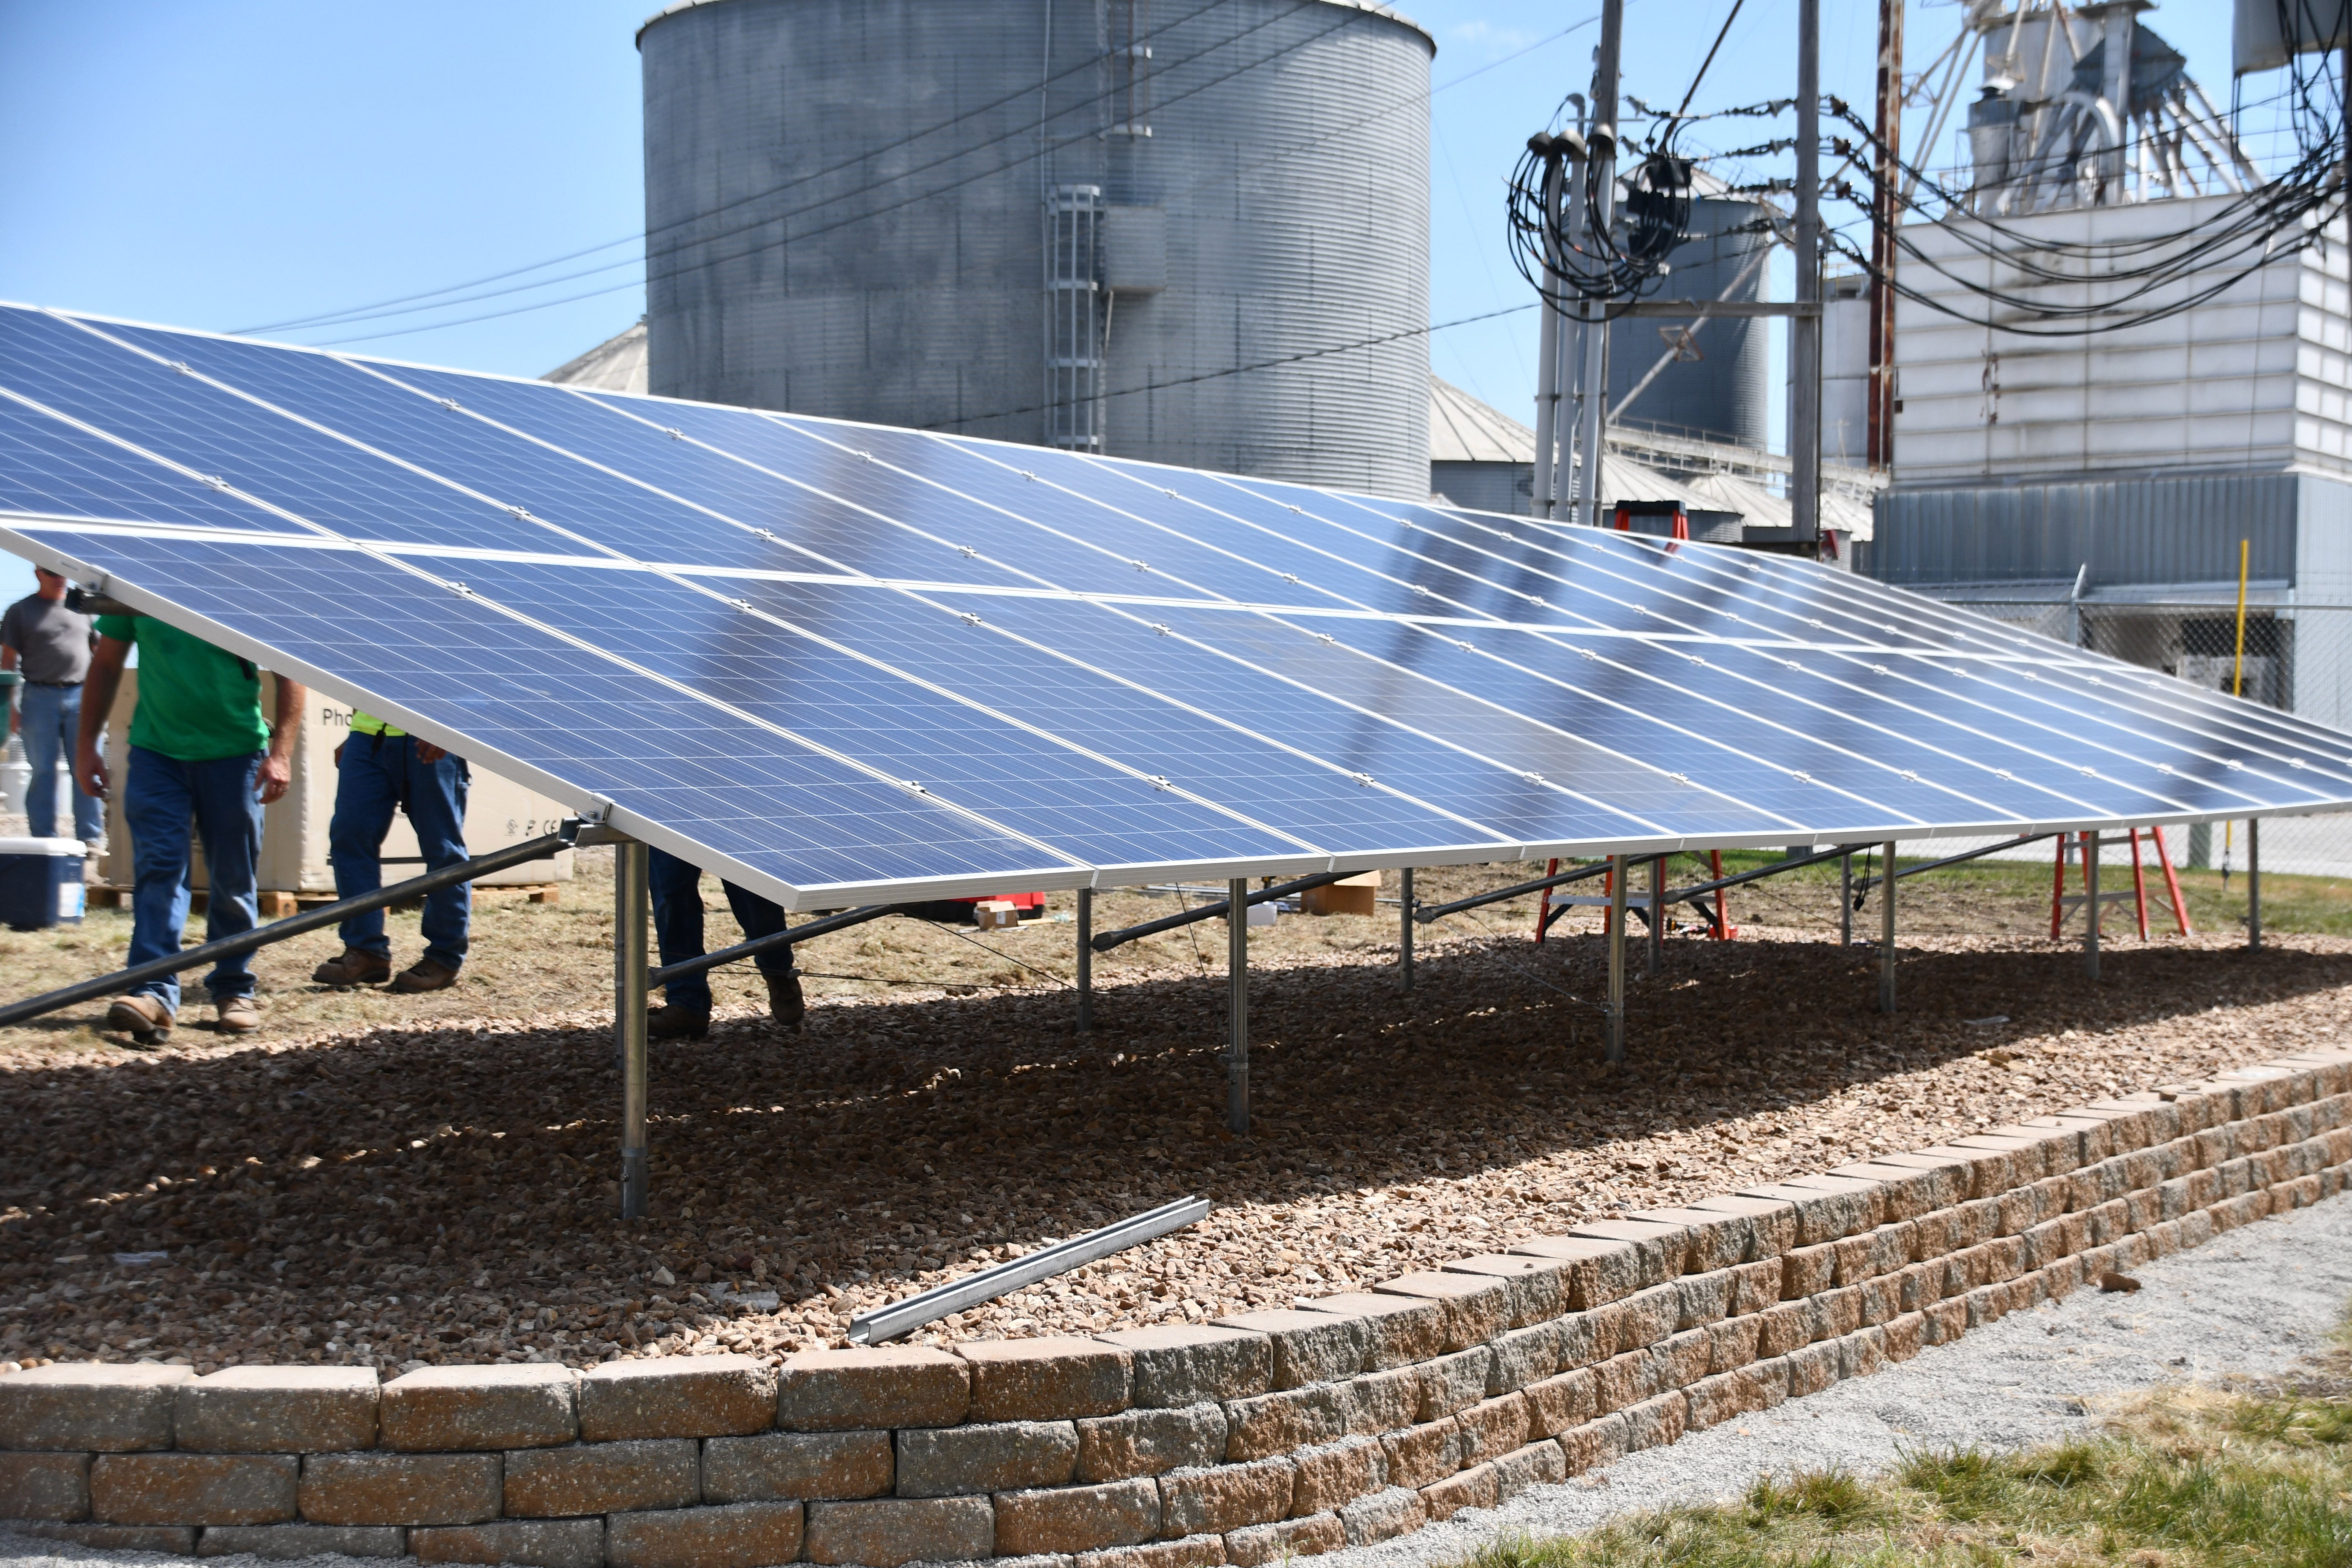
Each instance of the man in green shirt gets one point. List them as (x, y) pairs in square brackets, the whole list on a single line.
[(201, 753)]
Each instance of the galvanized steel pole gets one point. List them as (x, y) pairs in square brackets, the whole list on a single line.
[(1404, 930), (632, 917), (1805, 331), (1657, 914), (2091, 904), (1548, 349), (1600, 187), (1885, 923), (1085, 960), (2254, 881), (1613, 1049), (1237, 1093), (1845, 900)]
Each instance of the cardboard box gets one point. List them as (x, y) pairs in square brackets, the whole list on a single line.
[(995, 915), (1357, 895), (294, 830)]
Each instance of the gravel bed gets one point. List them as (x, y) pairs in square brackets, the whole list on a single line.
[(391, 1196)]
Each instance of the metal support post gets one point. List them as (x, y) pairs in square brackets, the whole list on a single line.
[(1615, 1050), (1547, 351), (1884, 216), (631, 918), (2254, 882), (1805, 330), (1085, 960), (1845, 900), (2090, 907), (1886, 926), (1237, 1095), (1657, 914), (1601, 184), (1404, 930)]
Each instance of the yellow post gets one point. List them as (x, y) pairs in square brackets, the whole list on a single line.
[(2237, 688)]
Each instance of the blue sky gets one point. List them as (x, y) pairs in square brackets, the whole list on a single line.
[(226, 165)]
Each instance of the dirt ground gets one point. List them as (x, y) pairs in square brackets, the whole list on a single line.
[(388, 1181)]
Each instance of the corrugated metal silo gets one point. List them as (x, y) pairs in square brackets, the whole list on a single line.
[(1720, 389), (1063, 220)]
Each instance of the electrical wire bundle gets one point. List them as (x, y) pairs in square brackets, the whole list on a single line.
[(1572, 263)]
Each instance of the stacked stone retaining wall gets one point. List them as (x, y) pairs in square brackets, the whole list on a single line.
[(1351, 1419)]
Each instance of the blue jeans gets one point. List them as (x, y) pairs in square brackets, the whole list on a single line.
[(51, 723), (379, 774), (678, 926), (160, 799)]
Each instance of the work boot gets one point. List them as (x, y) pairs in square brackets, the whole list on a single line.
[(142, 1018), (785, 1004), (677, 1022), (425, 975), (236, 1015), (355, 967)]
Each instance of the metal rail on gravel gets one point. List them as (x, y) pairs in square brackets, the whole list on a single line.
[(902, 1317), (1111, 939), (1865, 884), (760, 944), (292, 926)]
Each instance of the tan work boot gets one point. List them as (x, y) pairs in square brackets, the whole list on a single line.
[(677, 1022), (146, 1020), (785, 1004), (236, 1015), (425, 975), (355, 967)]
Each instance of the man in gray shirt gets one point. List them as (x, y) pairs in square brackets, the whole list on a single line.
[(50, 644)]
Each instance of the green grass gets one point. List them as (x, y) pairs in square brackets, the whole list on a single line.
[(2183, 1479)]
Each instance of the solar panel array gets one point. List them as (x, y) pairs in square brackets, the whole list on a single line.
[(840, 662)]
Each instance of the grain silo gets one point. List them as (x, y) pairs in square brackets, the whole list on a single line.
[(1713, 379), (1075, 222)]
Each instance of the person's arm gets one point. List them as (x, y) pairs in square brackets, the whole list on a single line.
[(278, 767), (97, 692)]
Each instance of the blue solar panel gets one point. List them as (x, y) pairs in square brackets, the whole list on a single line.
[(840, 662)]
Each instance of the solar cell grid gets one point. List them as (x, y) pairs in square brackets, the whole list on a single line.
[(841, 663)]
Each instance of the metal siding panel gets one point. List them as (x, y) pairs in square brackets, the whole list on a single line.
[(2147, 530)]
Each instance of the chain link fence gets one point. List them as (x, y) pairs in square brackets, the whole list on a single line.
[(2297, 658)]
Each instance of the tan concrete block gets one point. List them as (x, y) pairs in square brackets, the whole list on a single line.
[(782, 1467), (1861, 1353), (1903, 1335), (1657, 1423), (1384, 1516), (1000, 1457), (1383, 1401), (1596, 1270), (1580, 1337), (890, 1531), (1296, 1418), (1787, 1326), (1420, 1454), (1731, 1343), (44, 1485), (1649, 1317), (1681, 1360), (1757, 1286), (89, 1406), (1809, 1270), (1230, 1496), (868, 1389), (1077, 1518), (287, 1543), (1771, 1223), (1331, 1477), (537, 1543), (276, 1410), (735, 1535), (1452, 1383), (1595, 1445), (1945, 1321), (1881, 1298), (1308, 1347), (1523, 1356), (1840, 1311), (1493, 1428), (1539, 1464), (1476, 1307), (178, 1540), (1717, 1399), (1826, 1207), (1262, 1543), (1177, 1365), (192, 1489), (1151, 1442), (1400, 1329), (441, 1409), (1193, 1552), (1661, 1250), (1535, 1287), (1056, 1378), (1917, 1184), (1476, 1487), (604, 1477), (400, 1488), (1626, 1380), (1815, 1367), (676, 1396), (1715, 1237), (1556, 1404), (1702, 1299)]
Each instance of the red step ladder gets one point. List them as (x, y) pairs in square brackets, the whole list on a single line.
[(1551, 905), (2063, 903)]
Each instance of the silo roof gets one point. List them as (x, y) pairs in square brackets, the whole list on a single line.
[(1388, 11)]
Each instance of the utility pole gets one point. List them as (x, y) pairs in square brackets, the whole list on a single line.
[(1548, 350), (1884, 216), (1805, 325), (1601, 185)]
